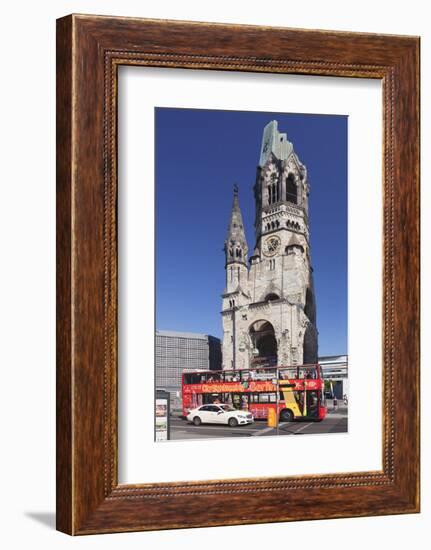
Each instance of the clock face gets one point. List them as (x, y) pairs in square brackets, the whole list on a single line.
[(271, 245)]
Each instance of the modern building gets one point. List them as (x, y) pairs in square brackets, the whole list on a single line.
[(269, 313), (179, 351), (335, 372)]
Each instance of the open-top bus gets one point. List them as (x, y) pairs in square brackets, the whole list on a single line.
[(295, 393)]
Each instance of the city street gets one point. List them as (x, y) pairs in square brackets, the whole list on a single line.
[(335, 422)]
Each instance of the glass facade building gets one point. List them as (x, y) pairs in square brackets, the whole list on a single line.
[(179, 351), (335, 373)]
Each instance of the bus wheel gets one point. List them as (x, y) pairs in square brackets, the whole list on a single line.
[(233, 422), (286, 415), (197, 421)]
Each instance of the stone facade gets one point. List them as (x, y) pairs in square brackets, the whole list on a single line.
[(269, 314)]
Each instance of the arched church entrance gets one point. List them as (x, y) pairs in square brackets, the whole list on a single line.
[(262, 335)]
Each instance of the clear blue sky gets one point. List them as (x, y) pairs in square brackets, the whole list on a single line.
[(199, 155)]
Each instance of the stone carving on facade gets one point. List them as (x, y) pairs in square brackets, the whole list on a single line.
[(294, 298)]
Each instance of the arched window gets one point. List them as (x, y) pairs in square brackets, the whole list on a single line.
[(272, 296), (291, 189), (273, 189)]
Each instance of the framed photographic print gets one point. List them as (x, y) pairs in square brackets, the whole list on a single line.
[(237, 275)]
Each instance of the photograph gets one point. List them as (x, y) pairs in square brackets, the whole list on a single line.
[(251, 234), (212, 220)]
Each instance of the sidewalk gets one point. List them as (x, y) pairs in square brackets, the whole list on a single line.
[(342, 409)]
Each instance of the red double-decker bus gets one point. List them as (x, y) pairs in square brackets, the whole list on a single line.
[(295, 393)]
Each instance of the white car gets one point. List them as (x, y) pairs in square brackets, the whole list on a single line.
[(219, 414)]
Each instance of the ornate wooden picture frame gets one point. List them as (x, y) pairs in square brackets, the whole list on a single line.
[(89, 51)]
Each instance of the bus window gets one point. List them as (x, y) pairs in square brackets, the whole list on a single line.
[(187, 378), (265, 374), (236, 401), (271, 374), (311, 373), (245, 375), (267, 398), (197, 400), (228, 376), (288, 374)]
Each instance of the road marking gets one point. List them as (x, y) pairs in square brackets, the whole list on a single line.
[(266, 430), (303, 427), (211, 427), (282, 425)]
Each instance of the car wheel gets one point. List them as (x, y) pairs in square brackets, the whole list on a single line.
[(233, 422), (197, 421), (286, 415)]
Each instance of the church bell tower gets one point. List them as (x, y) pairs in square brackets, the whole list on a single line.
[(269, 314)]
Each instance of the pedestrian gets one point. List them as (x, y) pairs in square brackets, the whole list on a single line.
[(335, 403)]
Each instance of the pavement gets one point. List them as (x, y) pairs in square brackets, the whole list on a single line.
[(335, 422)]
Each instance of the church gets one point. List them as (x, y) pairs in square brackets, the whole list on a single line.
[(269, 311)]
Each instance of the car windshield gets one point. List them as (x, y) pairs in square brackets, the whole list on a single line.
[(227, 408)]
